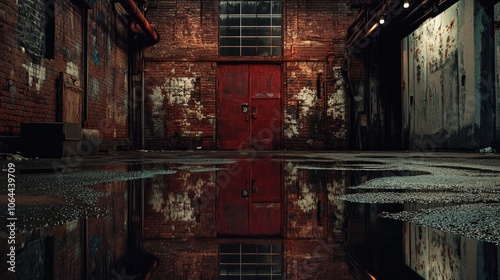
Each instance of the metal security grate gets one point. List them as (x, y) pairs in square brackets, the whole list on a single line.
[(250, 28), (250, 261)]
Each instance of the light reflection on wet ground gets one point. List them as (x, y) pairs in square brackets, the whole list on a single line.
[(188, 208)]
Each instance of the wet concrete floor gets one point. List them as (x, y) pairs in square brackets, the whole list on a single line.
[(253, 215)]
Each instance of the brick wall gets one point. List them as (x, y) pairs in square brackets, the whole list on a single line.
[(180, 104), (108, 71), (39, 39), (56, 252), (180, 205), (189, 48), (188, 249)]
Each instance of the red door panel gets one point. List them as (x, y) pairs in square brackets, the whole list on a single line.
[(233, 124), (266, 181), (265, 92), (258, 214), (233, 209), (265, 219), (259, 87)]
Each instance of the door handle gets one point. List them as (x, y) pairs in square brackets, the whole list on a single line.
[(254, 113), (244, 110)]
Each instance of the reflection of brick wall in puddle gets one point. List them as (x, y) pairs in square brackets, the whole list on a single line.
[(55, 252), (107, 235), (188, 259), (180, 205)]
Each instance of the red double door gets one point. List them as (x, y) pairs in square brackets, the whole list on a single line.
[(249, 106), (249, 201)]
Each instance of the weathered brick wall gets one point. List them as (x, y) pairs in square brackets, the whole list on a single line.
[(180, 259), (312, 30), (180, 104), (108, 72), (180, 205), (56, 252), (31, 63), (187, 248)]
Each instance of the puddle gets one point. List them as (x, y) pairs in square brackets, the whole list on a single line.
[(264, 218)]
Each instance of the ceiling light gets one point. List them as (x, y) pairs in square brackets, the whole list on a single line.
[(382, 19), (406, 4)]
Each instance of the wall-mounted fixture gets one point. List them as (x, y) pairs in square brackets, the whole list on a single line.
[(381, 19)]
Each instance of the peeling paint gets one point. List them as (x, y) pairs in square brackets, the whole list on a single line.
[(94, 88), (157, 114), (71, 226), (307, 98), (177, 205), (178, 92), (307, 201), (12, 89), (337, 104), (292, 126), (72, 69), (36, 75)]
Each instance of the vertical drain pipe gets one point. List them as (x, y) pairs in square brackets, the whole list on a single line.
[(85, 29), (85, 99)]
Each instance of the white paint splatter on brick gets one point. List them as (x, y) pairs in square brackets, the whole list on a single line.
[(178, 205), (72, 69), (307, 201), (178, 92), (307, 100), (71, 226), (292, 126), (35, 72), (94, 88), (157, 114), (337, 103)]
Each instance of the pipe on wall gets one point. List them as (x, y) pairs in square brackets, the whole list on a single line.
[(138, 17), (85, 27)]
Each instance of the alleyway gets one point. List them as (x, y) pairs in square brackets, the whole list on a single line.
[(248, 214)]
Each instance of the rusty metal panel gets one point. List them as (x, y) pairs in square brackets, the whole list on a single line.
[(233, 119)]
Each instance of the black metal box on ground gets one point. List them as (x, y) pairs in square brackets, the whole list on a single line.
[(50, 140)]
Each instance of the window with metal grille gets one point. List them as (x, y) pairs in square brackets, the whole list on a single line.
[(250, 28), (250, 261)]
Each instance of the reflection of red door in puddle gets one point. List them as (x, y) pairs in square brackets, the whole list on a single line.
[(249, 107), (249, 203)]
